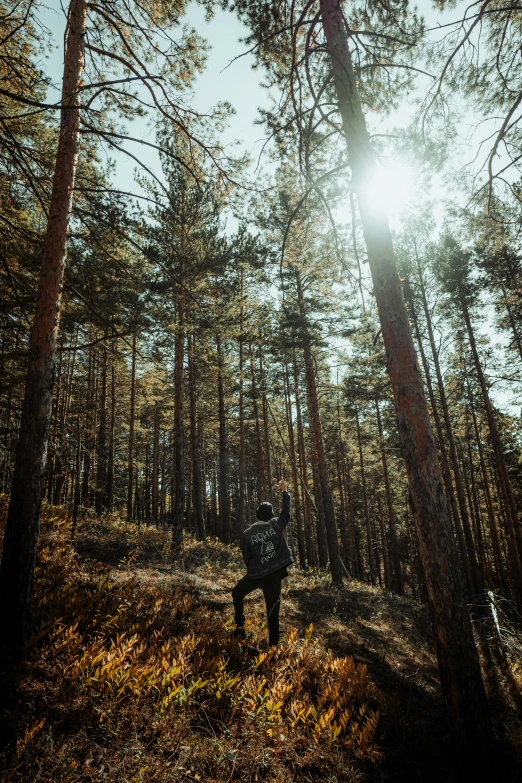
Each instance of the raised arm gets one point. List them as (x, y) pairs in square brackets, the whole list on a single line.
[(284, 516)]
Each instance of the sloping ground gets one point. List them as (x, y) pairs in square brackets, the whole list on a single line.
[(134, 676)]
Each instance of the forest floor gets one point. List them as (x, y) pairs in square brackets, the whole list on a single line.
[(133, 674)]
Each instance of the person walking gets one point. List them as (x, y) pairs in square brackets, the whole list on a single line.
[(266, 555)]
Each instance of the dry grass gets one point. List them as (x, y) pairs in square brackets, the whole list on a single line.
[(133, 675)]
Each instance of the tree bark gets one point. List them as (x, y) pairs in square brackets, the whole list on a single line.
[(213, 502), (224, 499), (94, 430), (23, 519), (132, 414), (343, 524), (87, 444), (77, 485), (155, 464), (303, 469), (461, 678), (477, 585), (301, 545), (411, 549), (179, 431), (320, 527), (493, 528), (472, 496), (389, 503), (101, 468), (355, 549), (51, 448), (314, 415), (145, 485), (195, 440), (371, 559), (446, 473), (514, 528), (266, 433), (384, 546), (241, 516), (261, 473), (112, 431), (62, 446)]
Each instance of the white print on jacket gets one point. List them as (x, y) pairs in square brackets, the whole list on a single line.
[(267, 546)]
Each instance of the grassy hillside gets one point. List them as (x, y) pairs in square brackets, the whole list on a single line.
[(133, 673)]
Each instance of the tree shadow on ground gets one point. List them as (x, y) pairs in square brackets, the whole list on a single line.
[(392, 636)]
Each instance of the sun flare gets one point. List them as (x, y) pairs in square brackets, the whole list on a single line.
[(393, 188)]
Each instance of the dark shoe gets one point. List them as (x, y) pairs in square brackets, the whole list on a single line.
[(239, 633)]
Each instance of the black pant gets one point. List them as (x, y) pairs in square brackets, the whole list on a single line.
[(271, 587)]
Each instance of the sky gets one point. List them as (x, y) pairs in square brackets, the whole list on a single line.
[(239, 84), (236, 82)]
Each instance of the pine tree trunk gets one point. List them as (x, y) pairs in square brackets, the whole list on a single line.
[(411, 550), (23, 519), (241, 516), (466, 460), (155, 464), (371, 560), (320, 527), (188, 505), (514, 527), (493, 528), (77, 486), (446, 473), (213, 504), (374, 537), (112, 432), (137, 497), (132, 414), (224, 500), (101, 472), (389, 503), (146, 484), (477, 582), (384, 545), (94, 431), (318, 441), (303, 469), (343, 525), (261, 474), (195, 441), (461, 678), (301, 545), (57, 476), (53, 430), (179, 431), (266, 435), (62, 463), (87, 444), (356, 562)]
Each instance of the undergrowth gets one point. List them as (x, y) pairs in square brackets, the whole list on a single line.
[(138, 679)]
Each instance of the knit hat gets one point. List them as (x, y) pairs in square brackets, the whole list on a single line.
[(264, 512)]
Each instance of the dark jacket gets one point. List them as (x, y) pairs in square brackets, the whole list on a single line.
[(264, 545)]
